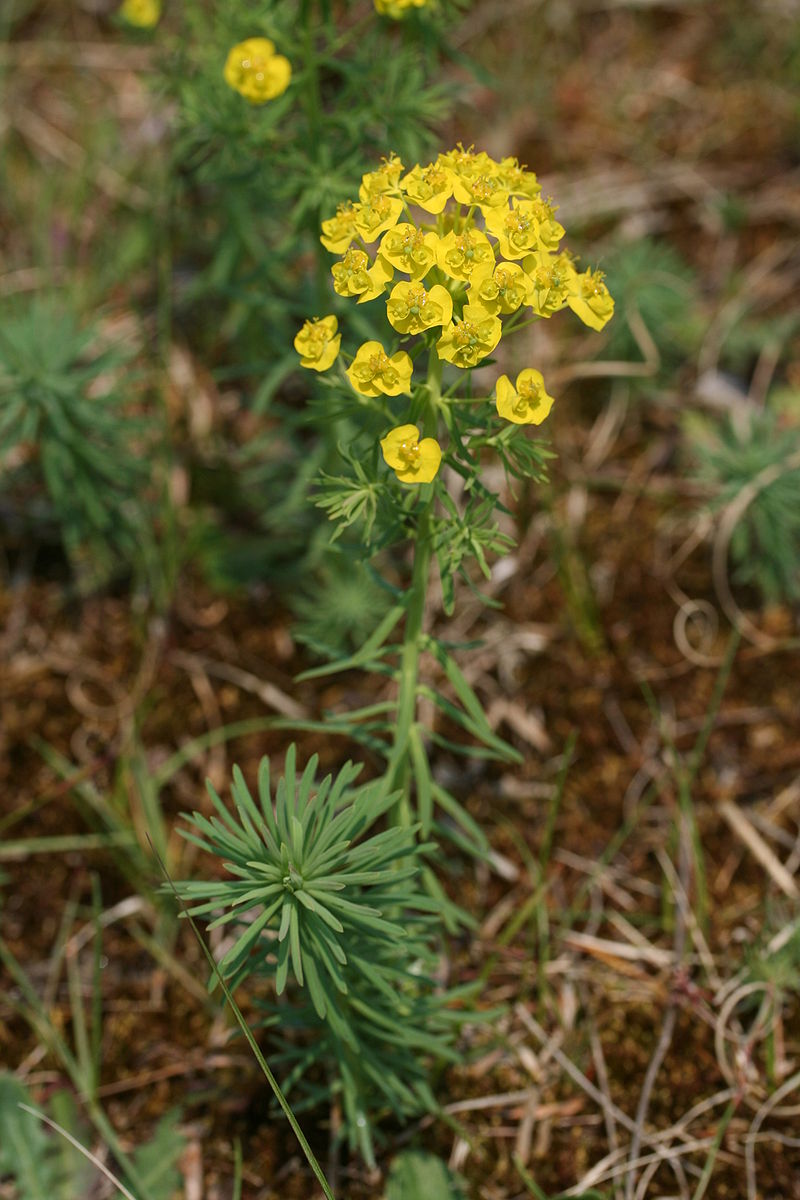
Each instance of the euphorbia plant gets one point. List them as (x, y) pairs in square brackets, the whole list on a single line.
[(334, 893), (463, 252)]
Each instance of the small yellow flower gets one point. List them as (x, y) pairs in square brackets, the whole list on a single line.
[(518, 180), (459, 254), (397, 8), (379, 214), (385, 179), (428, 187), (526, 404), (503, 290), (466, 164), (528, 225), (144, 14), (374, 373), (339, 231), (412, 460), (486, 191), (465, 342), (253, 69), (318, 343), (356, 275), (590, 299), (552, 277), (410, 249), (413, 309)]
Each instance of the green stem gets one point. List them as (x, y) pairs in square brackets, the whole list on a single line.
[(398, 774)]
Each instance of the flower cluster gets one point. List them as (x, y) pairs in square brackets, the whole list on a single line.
[(396, 9), (462, 250), (144, 14), (253, 69)]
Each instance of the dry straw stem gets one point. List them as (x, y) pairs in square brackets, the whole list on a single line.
[(759, 849)]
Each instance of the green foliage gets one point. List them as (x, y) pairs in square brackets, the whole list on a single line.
[(263, 176), (73, 457), (649, 279), (340, 605), (330, 911), (414, 1174), (156, 1161), (44, 1165), (755, 451)]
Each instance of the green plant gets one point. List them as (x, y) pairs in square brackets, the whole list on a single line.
[(340, 915), (329, 909), (56, 1166), (73, 452), (414, 1174), (42, 1167), (750, 467), (656, 292), (265, 173)]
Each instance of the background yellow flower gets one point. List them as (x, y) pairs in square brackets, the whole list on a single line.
[(253, 69), (142, 13)]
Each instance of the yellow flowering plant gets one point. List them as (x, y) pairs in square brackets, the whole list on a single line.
[(143, 14), (256, 71), (460, 253)]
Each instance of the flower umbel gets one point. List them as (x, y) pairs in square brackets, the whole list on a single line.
[(253, 69), (412, 460), (144, 14), (374, 373), (526, 404), (590, 299), (411, 308), (318, 343), (462, 245), (466, 341), (397, 8)]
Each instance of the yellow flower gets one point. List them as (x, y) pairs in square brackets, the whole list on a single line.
[(552, 277), (144, 14), (528, 225), (466, 341), (339, 231), (412, 460), (397, 8), (486, 191), (318, 343), (466, 164), (518, 180), (374, 373), (355, 275), (503, 290), (378, 215), (590, 299), (410, 249), (459, 254), (428, 187), (526, 404), (412, 309), (255, 71), (385, 179)]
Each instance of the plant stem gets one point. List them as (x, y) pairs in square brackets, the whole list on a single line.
[(398, 774)]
